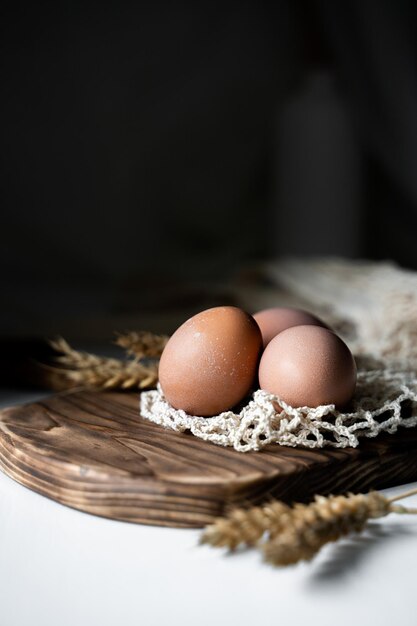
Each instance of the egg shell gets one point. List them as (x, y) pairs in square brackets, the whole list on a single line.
[(210, 362), (273, 321), (308, 366)]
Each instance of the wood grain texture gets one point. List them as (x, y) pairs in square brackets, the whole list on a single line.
[(92, 451)]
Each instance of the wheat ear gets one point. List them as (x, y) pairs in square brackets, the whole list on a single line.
[(246, 526), (323, 521), (286, 535), (83, 369), (142, 344)]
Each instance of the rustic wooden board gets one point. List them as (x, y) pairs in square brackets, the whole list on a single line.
[(93, 452)]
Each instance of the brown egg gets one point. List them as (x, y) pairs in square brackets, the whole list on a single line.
[(274, 321), (308, 366), (210, 363)]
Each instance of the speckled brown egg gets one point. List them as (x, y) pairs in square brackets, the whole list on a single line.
[(308, 366), (210, 363), (274, 321)]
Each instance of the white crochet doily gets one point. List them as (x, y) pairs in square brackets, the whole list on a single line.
[(383, 401)]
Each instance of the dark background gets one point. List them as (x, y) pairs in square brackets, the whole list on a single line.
[(152, 151)]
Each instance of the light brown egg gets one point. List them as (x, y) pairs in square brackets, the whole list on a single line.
[(308, 366), (210, 362), (274, 321)]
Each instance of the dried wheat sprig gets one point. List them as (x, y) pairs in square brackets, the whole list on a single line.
[(111, 376), (287, 535), (75, 359), (323, 521), (246, 526), (80, 368), (142, 344)]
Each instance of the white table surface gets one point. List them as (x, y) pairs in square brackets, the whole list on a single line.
[(61, 567)]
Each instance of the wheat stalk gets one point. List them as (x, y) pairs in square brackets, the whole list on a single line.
[(286, 535), (78, 368), (246, 526), (74, 358), (324, 520), (142, 344)]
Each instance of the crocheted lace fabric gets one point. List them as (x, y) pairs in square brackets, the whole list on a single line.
[(380, 304), (384, 400)]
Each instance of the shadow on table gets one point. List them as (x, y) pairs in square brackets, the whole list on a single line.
[(348, 556)]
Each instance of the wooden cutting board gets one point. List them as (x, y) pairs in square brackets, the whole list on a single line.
[(93, 452)]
